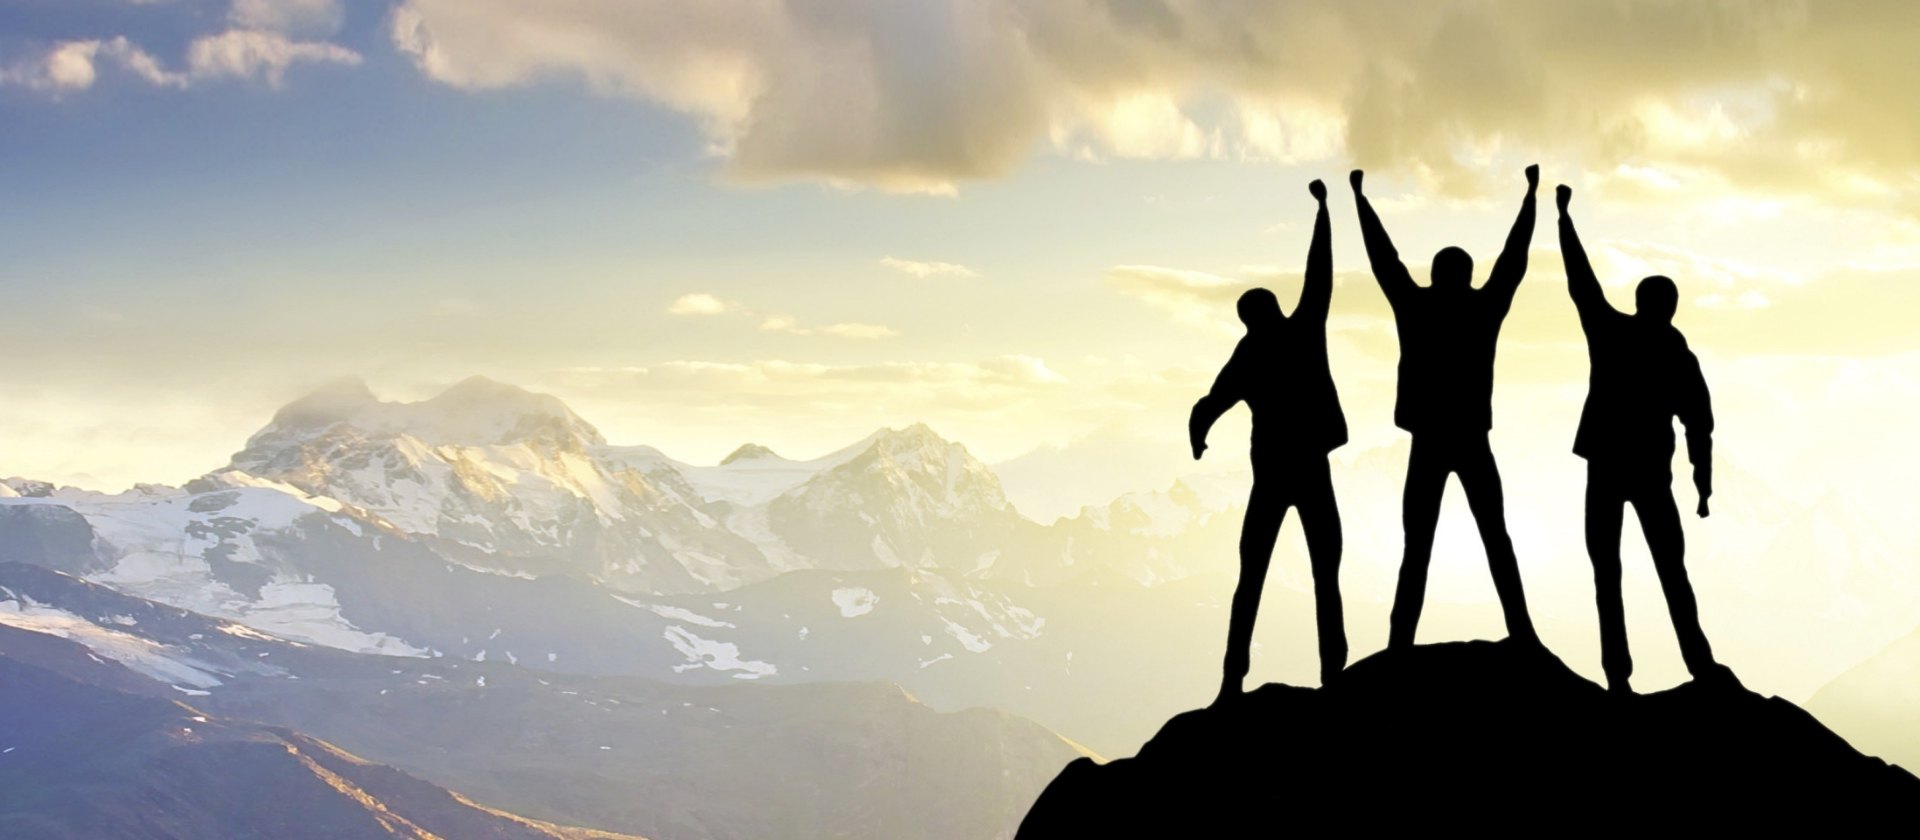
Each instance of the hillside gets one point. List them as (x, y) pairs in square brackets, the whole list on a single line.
[(624, 754), (91, 752), (1478, 735)]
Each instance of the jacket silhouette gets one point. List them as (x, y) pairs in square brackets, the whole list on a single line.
[(1448, 332), (1280, 370), (1642, 376)]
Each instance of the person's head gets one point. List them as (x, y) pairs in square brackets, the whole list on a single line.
[(1655, 299), (1452, 269), (1259, 309)]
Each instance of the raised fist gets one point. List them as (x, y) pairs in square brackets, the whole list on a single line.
[(1533, 176), (1318, 189), (1354, 179), (1561, 195)]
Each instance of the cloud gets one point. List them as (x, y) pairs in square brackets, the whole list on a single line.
[(859, 330), (924, 270), (70, 66), (699, 303), (1769, 94), (74, 66), (787, 324), (259, 54), (1192, 297)]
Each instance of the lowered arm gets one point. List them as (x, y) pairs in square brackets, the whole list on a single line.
[(1228, 389), (1696, 413)]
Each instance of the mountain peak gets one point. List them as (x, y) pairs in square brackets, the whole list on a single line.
[(338, 397), (917, 434), (475, 411), (1478, 733), (751, 452), (478, 388)]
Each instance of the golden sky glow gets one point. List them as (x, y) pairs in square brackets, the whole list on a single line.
[(703, 224)]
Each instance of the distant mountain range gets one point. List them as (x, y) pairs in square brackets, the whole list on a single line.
[(618, 753), (491, 531)]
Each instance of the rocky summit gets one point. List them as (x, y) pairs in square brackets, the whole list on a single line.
[(1483, 736)]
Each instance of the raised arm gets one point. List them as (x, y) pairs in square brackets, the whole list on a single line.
[(1511, 267), (1228, 388), (1696, 412), (1388, 271), (1581, 284), (1316, 294)]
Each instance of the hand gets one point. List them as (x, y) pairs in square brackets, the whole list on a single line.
[(1198, 447), (1562, 195), (1354, 179), (1703, 482), (1533, 177), (1702, 510), (1318, 189)]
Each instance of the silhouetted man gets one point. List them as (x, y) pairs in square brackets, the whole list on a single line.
[(1642, 376), (1280, 370), (1447, 335)]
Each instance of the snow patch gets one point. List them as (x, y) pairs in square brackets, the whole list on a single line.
[(966, 638), (674, 613), (161, 662), (716, 655), (855, 601)]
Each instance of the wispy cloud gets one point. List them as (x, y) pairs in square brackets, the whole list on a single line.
[(699, 303), (1192, 297), (925, 269), (74, 66), (787, 324), (260, 55)]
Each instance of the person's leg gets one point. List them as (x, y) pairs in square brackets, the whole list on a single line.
[(1419, 515), (1667, 542), (1266, 509), (1605, 507), (1480, 478), (1320, 519)]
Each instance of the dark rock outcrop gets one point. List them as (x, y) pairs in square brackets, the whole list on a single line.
[(1479, 735)]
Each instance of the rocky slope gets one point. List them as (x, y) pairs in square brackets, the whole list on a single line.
[(1482, 736)]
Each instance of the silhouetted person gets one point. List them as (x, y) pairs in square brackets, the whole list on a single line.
[(1642, 377), (1447, 335), (1280, 370)]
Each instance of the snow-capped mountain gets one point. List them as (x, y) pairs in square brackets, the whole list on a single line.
[(490, 524), (501, 479), (505, 480)]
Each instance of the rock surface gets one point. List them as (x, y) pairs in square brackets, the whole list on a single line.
[(1481, 735)]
